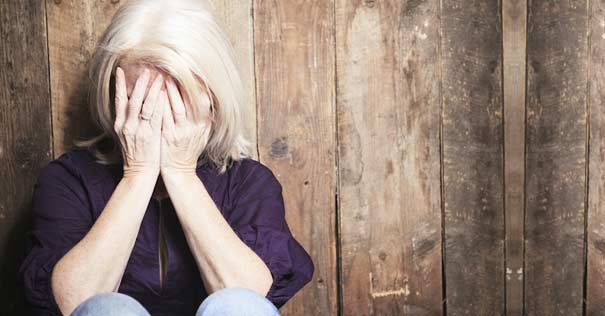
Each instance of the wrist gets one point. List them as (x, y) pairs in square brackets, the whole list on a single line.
[(172, 176), (178, 172), (141, 176)]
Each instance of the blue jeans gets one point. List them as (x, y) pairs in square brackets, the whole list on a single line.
[(232, 301)]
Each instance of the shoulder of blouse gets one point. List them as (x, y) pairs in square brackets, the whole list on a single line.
[(73, 161), (77, 168), (248, 172)]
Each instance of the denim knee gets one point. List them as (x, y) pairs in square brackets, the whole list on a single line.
[(236, 301), (110, 304)]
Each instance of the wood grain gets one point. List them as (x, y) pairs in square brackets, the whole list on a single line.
[(294, 58), (236, 18), (74, 28), (595, 278), (514, 14), (388, 134), (25, 138), (556, 157), (390, 124), (472, 140)]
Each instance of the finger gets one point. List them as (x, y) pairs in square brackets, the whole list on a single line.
[(167, 119), (150, 102), (136, 98), (121, 99), (158, 113), (176, 102)]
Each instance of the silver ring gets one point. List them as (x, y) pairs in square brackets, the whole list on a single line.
[(144, 118)]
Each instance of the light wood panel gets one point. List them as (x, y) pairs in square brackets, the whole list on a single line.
[(514, 14), (294, 58), (236, 18), (74, 28), (388, 136), (595, 278)]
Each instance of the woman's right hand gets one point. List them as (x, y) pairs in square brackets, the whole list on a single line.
[(139, 139)]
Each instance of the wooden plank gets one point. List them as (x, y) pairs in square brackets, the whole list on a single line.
[(25, 137), (595, 279), (514, 15), (473, 172), (236, 17), (74, 28), (294, 58), (389, 167), (556, 157)]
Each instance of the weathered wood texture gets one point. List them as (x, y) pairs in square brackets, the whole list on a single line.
[(595, 279), (388, 135), (404, 133), (556, 157), (25, 137), (236, 18), (294, 58), (514, 15), (472, 139), (74, 28)]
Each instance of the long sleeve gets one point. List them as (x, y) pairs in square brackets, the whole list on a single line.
[(61, 218), (258, 218)]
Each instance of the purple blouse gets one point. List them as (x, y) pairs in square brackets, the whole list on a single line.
[(72, 191)]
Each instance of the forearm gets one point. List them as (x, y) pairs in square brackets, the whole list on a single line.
[(97, 262), (223, 259)]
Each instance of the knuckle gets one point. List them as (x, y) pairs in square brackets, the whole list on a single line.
[(128, 130), (132, 102)]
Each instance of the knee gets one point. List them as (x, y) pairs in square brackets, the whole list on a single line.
[(110, 304), (234, 301)]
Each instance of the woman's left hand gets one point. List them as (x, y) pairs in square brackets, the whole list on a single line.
[(183, 137)]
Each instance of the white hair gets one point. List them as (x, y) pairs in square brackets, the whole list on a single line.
[(185, 40)]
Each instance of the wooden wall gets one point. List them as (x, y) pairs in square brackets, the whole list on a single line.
[(438, 157)]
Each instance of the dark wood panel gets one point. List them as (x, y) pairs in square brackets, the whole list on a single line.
[(555, 157), (473, 172), (514, 15), (595, 279), (25, 136), (294, 56), (389, 167)]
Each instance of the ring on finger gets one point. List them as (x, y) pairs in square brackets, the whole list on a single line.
[(144, 118)]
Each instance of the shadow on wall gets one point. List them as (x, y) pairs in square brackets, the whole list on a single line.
[(78, 122), (12, 299)]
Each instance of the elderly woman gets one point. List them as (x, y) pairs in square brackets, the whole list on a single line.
[(163, 213)]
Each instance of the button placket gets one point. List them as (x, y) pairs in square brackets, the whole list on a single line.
[(162, 247)]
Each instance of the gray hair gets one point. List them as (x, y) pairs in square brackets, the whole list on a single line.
[(186, 41)]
